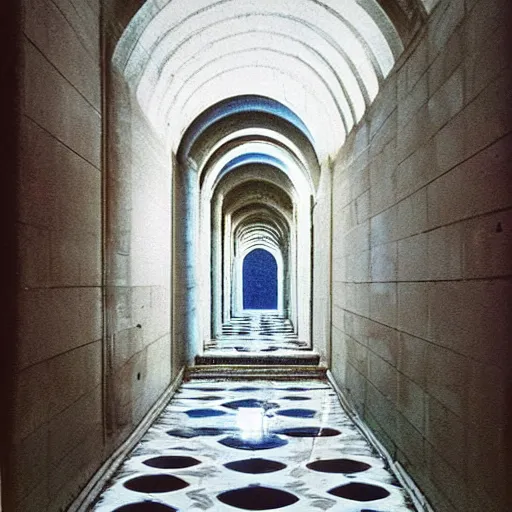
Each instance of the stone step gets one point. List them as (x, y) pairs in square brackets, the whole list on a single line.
[(241, 371), (283, 358)]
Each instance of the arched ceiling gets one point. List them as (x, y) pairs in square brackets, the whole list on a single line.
[(260, 151), (321, 60), (217, 122), (261, 173), (258, 192), (263, 226)]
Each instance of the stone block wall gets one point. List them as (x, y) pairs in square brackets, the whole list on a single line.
[(138, 274), (90, 359), (57, 427), (422, 250)]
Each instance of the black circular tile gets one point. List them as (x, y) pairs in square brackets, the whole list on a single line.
[(295, 398), (172, 462), (245, 388), (146, 506), (204, 413), (309, 432), (346, 466), (263, 443), (255, 466), (258, 498), (155, 483), (295, 388), (360, 492), (297, 413)]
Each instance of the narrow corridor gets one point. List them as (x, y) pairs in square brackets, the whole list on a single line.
[(227, 446), (296, 193)]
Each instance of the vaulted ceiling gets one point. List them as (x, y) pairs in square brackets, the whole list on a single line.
[(322, 59)]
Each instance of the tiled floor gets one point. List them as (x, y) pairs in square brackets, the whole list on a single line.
[(262, 445), (258, 331)]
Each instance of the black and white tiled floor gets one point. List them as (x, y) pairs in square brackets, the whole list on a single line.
[(258, 332), (263, 445)]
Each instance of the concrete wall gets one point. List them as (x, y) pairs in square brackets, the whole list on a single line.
[(85, 374), (422, 258)]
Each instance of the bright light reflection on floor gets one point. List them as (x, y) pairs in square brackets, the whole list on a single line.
[(252, 423)]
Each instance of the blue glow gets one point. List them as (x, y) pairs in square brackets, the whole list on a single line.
[(251, 158), (260, 280)]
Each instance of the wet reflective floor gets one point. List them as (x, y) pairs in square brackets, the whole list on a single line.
[(231, 446)]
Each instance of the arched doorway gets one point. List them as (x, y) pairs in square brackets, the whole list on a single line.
[(259, 280)]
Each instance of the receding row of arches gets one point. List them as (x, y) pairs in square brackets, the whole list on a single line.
[(253, 188), (252, 103)]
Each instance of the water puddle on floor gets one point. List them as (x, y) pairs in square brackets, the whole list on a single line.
[(252, 451)]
